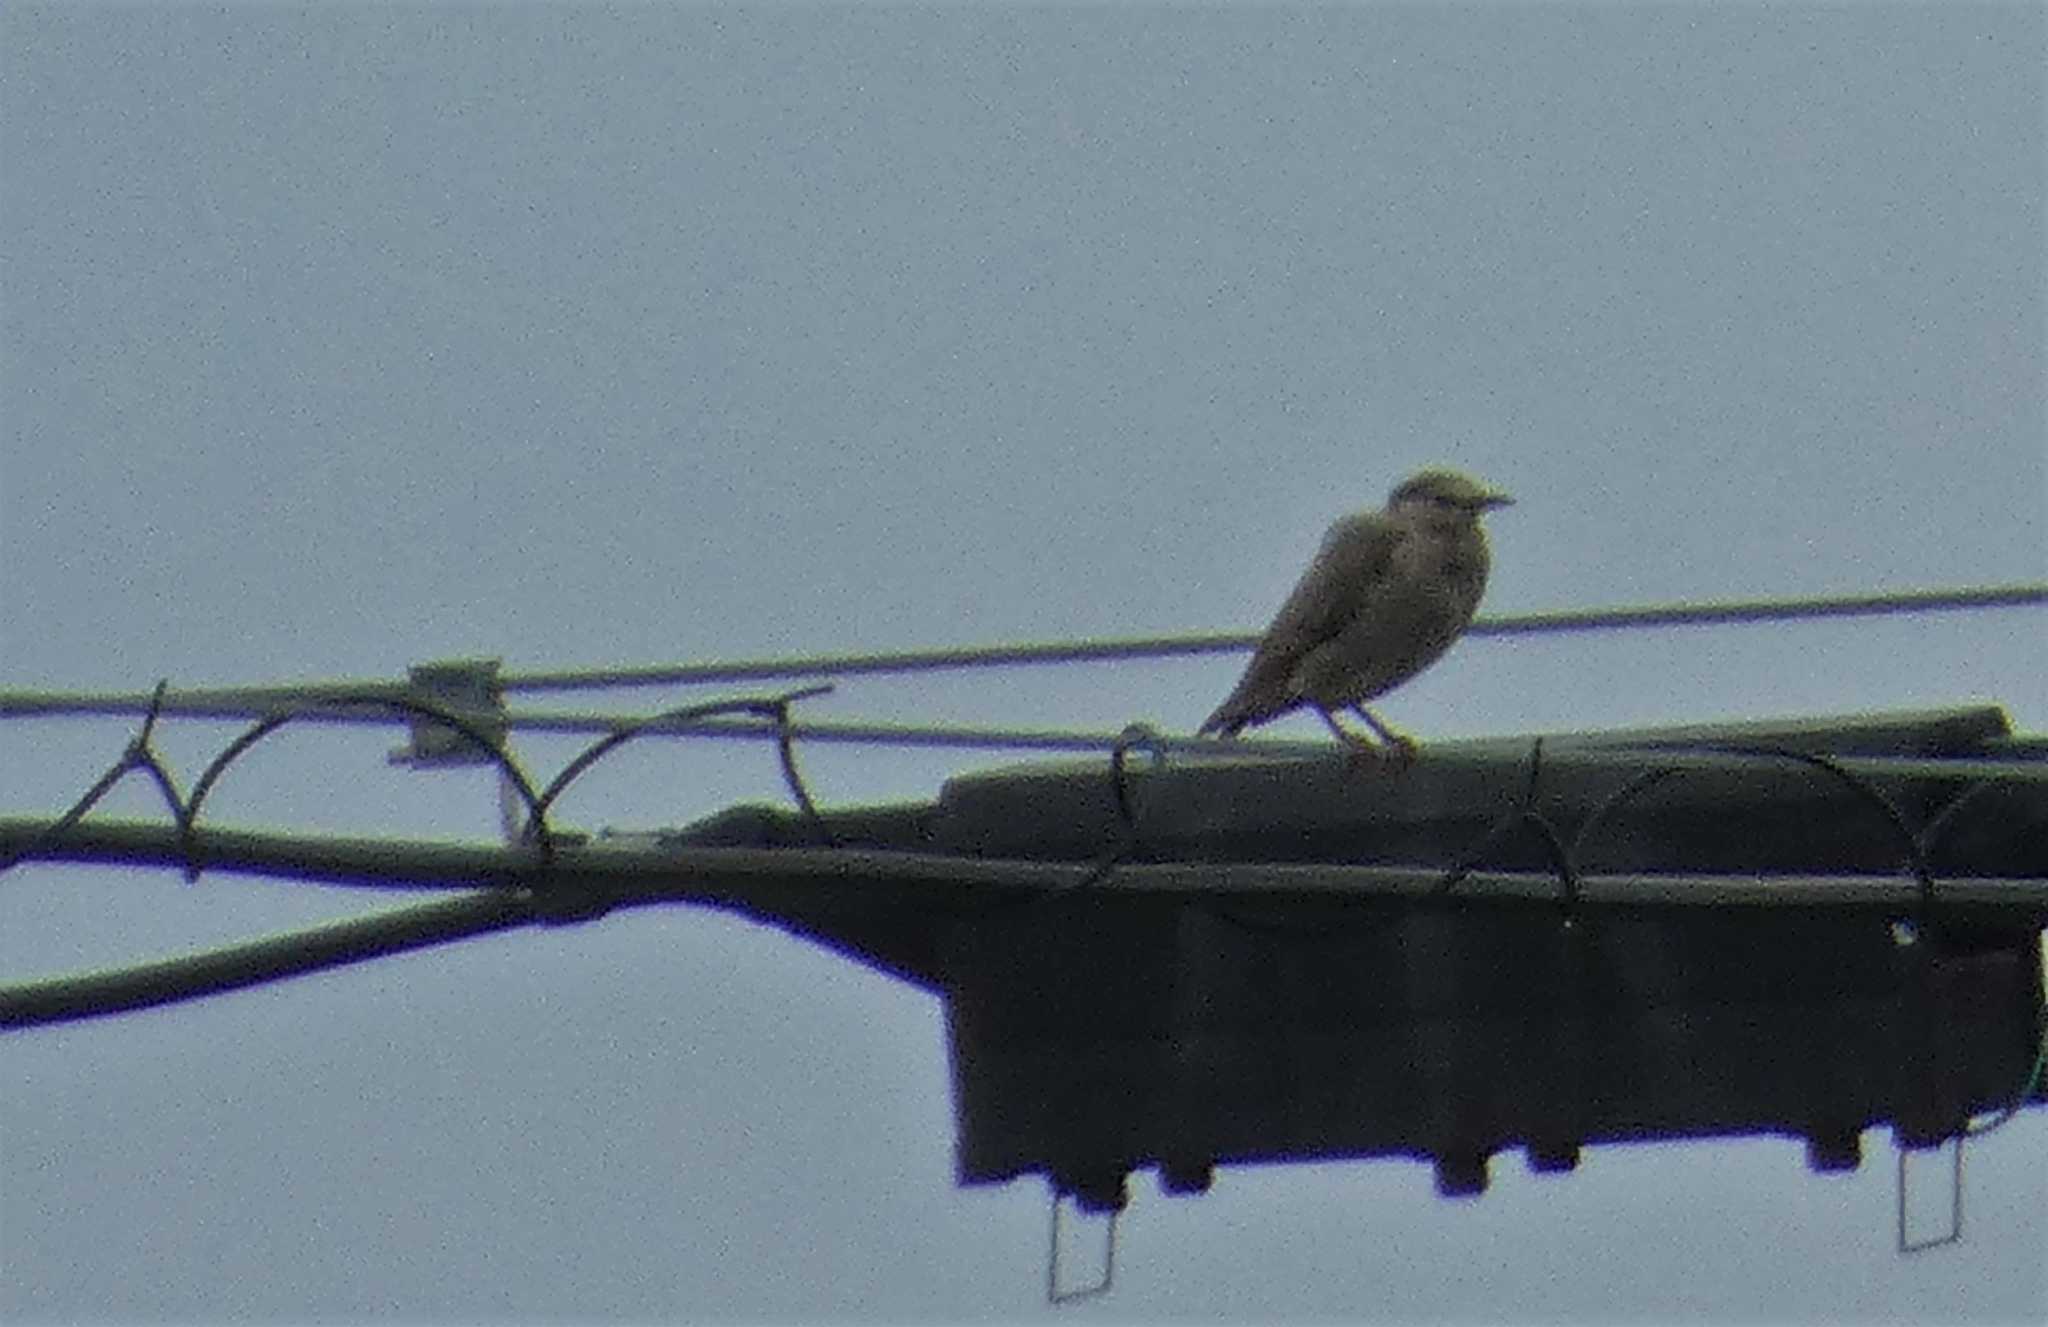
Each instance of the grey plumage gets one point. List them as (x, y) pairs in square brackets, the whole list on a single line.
[(1387, 594)]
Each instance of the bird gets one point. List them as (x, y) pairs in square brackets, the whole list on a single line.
[(1388, 592)]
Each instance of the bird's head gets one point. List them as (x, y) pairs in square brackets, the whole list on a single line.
[(1446, 491)]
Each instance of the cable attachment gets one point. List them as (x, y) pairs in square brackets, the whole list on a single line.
[(141, 755), (137, 755), (1129, 806), (785, 749), (139, 748), (1134, 735)]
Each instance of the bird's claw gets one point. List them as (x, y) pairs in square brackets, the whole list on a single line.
[(1395, 757), (1402, 751)]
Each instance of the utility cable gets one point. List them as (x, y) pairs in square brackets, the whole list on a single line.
[(1158, 647), (255, 702)]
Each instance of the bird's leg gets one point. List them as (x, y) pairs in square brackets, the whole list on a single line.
[(1360, 751), (1400, 746)]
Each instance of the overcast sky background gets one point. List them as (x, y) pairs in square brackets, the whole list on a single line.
[(340, 339)]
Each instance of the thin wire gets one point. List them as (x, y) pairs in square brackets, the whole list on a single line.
[(1747, 612), (254, 702), (1054, 1294), (774, 708), (1152, 647), (1073, 741), (137, 755), (2028, 1089), (1954, 1233)]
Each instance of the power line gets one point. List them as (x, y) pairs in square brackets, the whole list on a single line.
[(1156, 647), (626, 875), (1067, 741), (255, 702), (359, 710), (766, 878), (1745, 612), (556, 878)]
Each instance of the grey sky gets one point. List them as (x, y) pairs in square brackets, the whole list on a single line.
[(340, 339)]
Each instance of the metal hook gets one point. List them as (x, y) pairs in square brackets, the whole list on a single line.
[(1054, 1293), (156, 705), (1954, 1234), (1127, 807), (1133, 735), (785, 746)]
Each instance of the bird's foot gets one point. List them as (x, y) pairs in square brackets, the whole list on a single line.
[(1361, 757), (1400, 752), (1397, 750), (1395, 757)]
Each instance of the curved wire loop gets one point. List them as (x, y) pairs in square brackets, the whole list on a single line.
[(1128, 807), (1523, 815), (1916, 858), (262, 728), (1915, 845), (1133, 735), (185, 812), (138, 754), (2029, 1085), (1945, 817), (1943, 820), (141, 754), (792, 776), (1130, 813), (775, 708), (1636, 786)]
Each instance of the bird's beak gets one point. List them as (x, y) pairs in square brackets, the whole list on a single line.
[(1493, 500)]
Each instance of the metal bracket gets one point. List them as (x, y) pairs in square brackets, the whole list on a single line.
[(469, 685)]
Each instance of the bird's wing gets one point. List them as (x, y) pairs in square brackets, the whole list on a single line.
[(1354, 558)]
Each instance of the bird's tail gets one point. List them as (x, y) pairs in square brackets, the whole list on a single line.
[(1232, 717), (1258, 696)]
